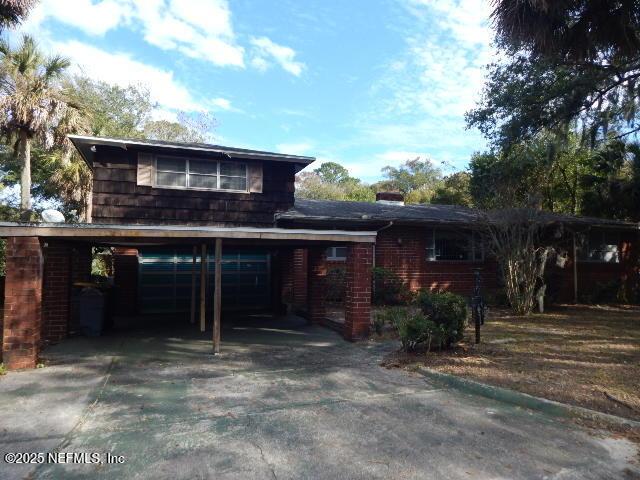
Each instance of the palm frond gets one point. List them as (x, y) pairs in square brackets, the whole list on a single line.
[(55, 66)]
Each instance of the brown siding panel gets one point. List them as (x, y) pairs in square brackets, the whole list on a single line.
[(117, 198)]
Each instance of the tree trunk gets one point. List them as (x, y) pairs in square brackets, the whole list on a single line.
[(24, 155)]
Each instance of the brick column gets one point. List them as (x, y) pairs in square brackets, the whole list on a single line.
[(56, 293), (22, 302), (357, 303), (317, 284)]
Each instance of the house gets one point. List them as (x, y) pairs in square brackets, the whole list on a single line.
[(199, 230)]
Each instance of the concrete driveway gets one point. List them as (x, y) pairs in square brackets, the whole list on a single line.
[(286, 401)]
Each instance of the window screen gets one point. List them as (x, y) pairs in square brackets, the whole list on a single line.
[(200, 174), (337, 253), (453, 245), (601, 247)]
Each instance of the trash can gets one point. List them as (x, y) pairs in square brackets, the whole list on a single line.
[(91, 312)]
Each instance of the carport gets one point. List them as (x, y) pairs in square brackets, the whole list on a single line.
[(43, 261)]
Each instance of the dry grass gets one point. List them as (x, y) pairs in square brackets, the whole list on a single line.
[(584, 356)]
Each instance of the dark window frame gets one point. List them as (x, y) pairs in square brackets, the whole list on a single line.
[(585, 253), (218, 176), (333, 255), (475, 249)]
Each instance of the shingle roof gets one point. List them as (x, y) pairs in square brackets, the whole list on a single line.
[(85, 145), (366, 212)]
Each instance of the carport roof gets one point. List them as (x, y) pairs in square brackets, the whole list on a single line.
[(105, 232)]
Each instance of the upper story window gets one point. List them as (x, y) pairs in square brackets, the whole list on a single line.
[(454, 245), (337, 254), (601, 246), (176, 172)]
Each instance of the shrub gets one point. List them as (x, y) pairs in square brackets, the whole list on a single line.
[(388, 288), (447, 311), (335, 285), (417, 330), (413, 327), (390, 316)]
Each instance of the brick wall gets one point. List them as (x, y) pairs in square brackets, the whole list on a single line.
[(286, 270), (23, 302), (300, 281), (56, 291), (125, 272), (317, 284), (593, 274), (357, 304), (403, 251)]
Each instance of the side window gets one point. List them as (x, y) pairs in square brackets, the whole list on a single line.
[(600, 246), (176, 172), (337, 254), (452, 245), (171, 172)]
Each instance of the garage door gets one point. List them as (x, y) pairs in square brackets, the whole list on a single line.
[(164, 279)]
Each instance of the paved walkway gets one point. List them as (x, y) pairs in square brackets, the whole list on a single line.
[(283, 401)]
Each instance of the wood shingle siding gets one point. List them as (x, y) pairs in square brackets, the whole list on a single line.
[(118, 197)]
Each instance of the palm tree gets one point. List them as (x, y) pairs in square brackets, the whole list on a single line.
[(33, 105), (12, 12), (575, 30)]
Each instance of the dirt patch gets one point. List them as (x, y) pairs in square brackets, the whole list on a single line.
[(584, 356)]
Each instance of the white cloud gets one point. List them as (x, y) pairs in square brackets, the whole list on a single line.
[(419, 101), (300, 148), (222, 103), (265, 50), (200, 29), (197, 28), (443, 68), (121, 69), (94, 18)]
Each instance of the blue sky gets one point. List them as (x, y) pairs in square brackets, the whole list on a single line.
[(361, 82)]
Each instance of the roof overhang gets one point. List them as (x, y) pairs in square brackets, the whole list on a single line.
[(86, 146), (164, 232)]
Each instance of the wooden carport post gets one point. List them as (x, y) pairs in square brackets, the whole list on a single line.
[(193, 285), (203, 286), (217, 297)]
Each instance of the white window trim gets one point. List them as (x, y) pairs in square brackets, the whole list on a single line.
[(186, 172), (473, 249), (333, 257), (586, 246)]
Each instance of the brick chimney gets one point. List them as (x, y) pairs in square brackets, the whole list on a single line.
[(390, 198)]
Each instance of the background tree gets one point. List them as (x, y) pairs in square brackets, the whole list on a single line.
[(567, 61), (116, 112), (194, 128), (33, 105), (332, 172), (332, 183), (454, 190), (416, 179)]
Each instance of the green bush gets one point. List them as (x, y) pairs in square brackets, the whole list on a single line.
[(390, 316), (413, 328), (449, 313), (417, 330), (388, 288)]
